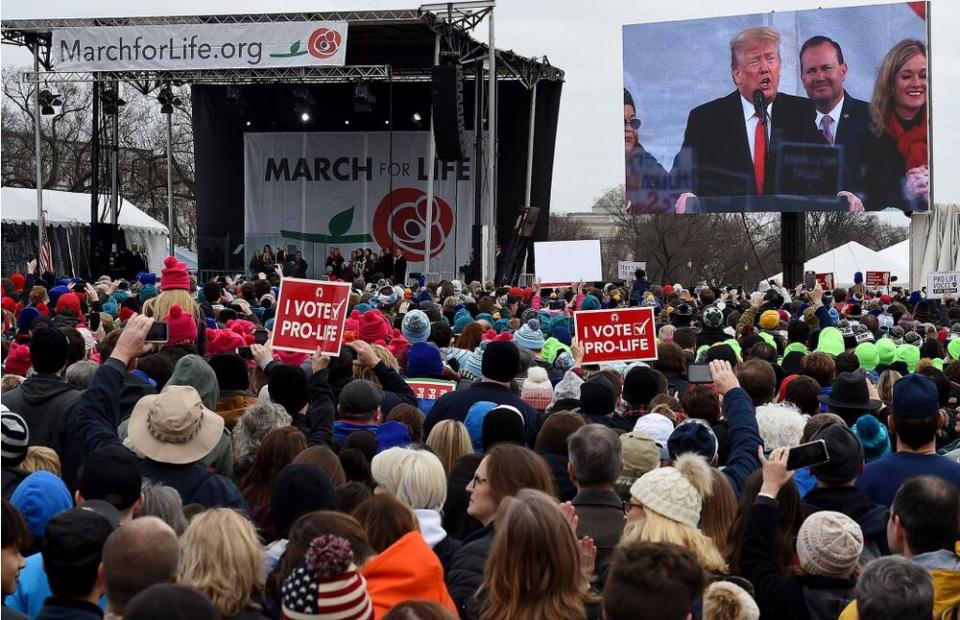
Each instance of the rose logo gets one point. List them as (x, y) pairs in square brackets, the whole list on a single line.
[(401, 221), (324, 43)]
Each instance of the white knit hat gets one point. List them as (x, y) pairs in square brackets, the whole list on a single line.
[(724, 600), (676, 492), (829, 544)]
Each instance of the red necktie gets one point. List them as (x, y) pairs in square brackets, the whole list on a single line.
[(759, 156)]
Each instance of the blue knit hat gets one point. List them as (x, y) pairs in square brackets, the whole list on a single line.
[(485, 316), (149, 291), (460, 321), (474, 422), (55, 294), (392, 434), (590, 303), (423, 359), (415, 326), (529, 336), (562, 333), (473, 369), (147, 278), (501, 326), (363, 307), (461, 355), (26, 318), (873, 436)]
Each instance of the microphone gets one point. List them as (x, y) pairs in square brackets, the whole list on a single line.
[(760, 105)]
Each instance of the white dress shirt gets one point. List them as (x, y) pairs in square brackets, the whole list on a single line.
[(750, 116), (834, 114)]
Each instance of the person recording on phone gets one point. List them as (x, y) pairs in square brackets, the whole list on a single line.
[(843, 120)]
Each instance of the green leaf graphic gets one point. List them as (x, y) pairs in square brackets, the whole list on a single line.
[(340, 223), (295, 47)]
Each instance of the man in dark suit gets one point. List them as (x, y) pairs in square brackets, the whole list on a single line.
[(724, 144), (842, 120)]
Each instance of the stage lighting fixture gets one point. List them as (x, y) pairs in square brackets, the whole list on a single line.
[(48, 101), (387, 122), (111, 100), (417, 120), (346, 122), (304, 117), (168, 101), (363, 99), (303, 108), (248, 123)]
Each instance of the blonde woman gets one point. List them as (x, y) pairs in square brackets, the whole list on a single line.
[(665, 505), (365, 372), (41, 458), (533, 570), (221, 556), (417, 478), (449, 440), (175, 285)]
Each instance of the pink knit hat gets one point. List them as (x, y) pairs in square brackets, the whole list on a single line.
[(537, 390), (225, 341), (291, 358), (352, 323), (182, 326), (373, 326), (173, 276), (18, 360)]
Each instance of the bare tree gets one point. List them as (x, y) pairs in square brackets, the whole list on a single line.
[(562, 227)]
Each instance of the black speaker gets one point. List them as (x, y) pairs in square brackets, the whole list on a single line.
[(101, 249), (448, 127)]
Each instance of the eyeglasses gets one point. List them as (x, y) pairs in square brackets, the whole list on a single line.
[(477, 481), (633, 122), (628, 506)]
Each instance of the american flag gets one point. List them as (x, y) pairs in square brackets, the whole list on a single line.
[(46, 253)]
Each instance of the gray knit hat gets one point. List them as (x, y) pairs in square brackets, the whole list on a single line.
[(676, 492), (829, 544)]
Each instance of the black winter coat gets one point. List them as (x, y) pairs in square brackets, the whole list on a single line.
[(43, 401), (466, 570)]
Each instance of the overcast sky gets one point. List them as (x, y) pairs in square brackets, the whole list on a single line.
[(583, 39)]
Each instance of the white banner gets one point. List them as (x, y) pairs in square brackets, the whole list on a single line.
[(940, 282), (626, 268), (317, 191), (199, 46)]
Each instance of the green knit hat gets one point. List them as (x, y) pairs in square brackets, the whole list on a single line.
[(551, 348), (768, 338), (795, 346), (887, 350), (953, 348), (937, 363), (909, 354), (868, 355), (831, 341), (701, 351), (735, 346)]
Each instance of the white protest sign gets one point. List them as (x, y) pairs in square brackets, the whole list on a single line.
[(940, 282), (626, 268), (566, 262)]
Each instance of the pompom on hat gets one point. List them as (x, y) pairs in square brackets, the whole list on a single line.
[(529, 336), (327, 584), (537, 390), (181, 327), (676, 492), (18, 360)]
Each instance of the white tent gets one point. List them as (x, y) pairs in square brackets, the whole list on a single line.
[(18, 205), (851, 257), (898, 253)]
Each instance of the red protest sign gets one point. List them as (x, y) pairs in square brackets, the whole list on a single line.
[(619, 335), (878, 278), (825, 280), (430, 390), (310, 313)]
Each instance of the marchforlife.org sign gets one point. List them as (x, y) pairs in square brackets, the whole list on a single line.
[(199, 46), (310, 314), (618, 335)]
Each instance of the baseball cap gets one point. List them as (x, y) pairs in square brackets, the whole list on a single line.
[(111, 474), (360, 396)]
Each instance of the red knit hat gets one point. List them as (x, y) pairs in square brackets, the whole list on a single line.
[(125, 313), (225, 341), (18, 281), (668, 288), (182, 326), (373, 326), (885, 299), (71, 301), (291, 358), (8, 304), (18, 360), (173, 276)]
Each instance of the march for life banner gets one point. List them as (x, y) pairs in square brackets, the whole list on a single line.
[(310, 314), (199, 46), (618, 335), (314, 191)]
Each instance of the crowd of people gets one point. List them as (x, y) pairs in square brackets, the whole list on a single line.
[(206, 475), (363, 264)]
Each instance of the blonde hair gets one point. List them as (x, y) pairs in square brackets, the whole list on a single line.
[(41, 458), (363, 372), (221, 556), (37, 295), (658, 528), (882, 101), (159, 306), (449, 440), (533, 570), (415, 477), (719, 512), (752, 35), (885, 385)]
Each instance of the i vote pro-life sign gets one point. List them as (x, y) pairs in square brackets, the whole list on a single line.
[(618, 335), (310, 314)]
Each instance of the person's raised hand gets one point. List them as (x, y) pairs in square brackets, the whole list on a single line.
[(366, 356), (319, 360), (724, 379), (132, 342), (91, 292), (535, 287), (576, 351), (570, 514), (775, 472), (262, 353), (816, 294), (32, 266)]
